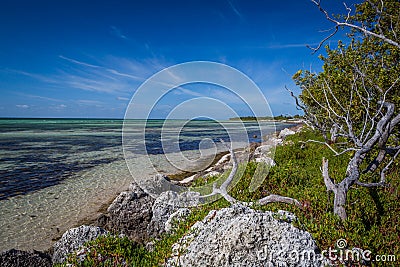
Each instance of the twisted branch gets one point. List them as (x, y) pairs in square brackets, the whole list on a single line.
[(223, 189), (349, 25)]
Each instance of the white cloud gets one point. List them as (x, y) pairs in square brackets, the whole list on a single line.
[(124, 75), (35, 76), (112, 76), (181, 90), (226, 96), (89, 102), (122, 98), (117, 32), (110, 70), (78, 62), (299, 45), (235, 10), (89, 84), (58, 108), (22, 106), (41, 97)]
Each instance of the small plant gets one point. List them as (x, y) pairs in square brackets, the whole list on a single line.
[(108, 251)]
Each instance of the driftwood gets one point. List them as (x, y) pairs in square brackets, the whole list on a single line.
[(223, 189)]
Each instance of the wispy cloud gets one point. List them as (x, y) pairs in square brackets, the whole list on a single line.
[(89, 102), (78, 62), (112, 71), (123, 77), (181, 90), (41, 97), (235, 10), (35, 76), (99, 84), (136, 78), (226, 95), (120, 98), (283, 46), (22, 106), (58, 108), (118, 33)]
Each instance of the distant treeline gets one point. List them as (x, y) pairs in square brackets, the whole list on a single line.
[(279, 118)]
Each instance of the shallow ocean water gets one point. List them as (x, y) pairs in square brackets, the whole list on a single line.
[(55, 174)]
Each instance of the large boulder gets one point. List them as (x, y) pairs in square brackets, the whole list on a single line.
[(129, 214), (73, 239), (137, 215), (264, 153), (19, 258), (240, 236), (264, 149), (165, 205), (285, 132), (267, 160), (175, 218)]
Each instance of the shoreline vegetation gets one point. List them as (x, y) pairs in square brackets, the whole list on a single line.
[(280, 118), (297, 175)]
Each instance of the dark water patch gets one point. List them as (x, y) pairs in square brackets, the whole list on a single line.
[(36, 153), (23, 180)]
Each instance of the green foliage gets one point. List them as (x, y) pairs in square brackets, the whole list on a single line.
[(372, 213), (358, 73), (108, 251), (372, 222), (379, 17), (276, 118)]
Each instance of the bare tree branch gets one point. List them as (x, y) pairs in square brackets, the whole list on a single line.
[(349, 25), (223, 189), (276, 198), (330, 186), (382, 181)]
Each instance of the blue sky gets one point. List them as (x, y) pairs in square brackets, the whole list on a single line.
[(87, 58)]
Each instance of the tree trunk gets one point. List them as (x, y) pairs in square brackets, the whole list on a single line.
[(339, 203), (333, 132)]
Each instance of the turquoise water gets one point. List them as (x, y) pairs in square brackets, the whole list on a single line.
[(38, 153)]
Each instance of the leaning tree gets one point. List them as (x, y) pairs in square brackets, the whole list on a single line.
[(355, 100)]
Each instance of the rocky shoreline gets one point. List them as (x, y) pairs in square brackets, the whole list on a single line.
[(140, 217)]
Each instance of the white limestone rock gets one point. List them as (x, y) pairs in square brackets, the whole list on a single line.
[(285, 132), (240, 236), (73, 239)]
